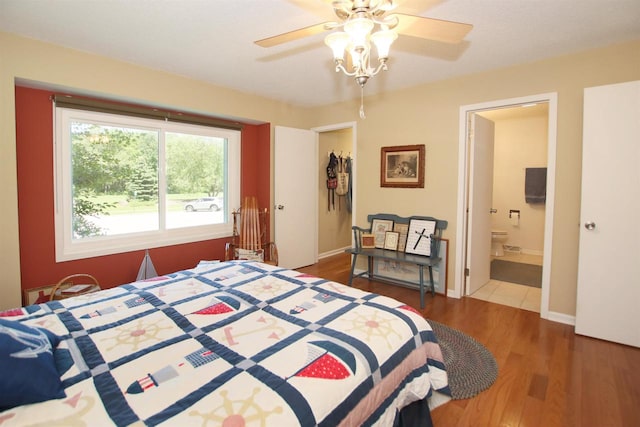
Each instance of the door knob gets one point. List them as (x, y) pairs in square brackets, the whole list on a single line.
[(280, 207), (493, 210), (590, 225)]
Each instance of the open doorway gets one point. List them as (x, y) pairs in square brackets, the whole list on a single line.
[(470, 255), (517, 218), (296, 191), (335, 209)]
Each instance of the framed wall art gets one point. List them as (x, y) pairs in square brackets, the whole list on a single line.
[(402, 166), (378, 228)]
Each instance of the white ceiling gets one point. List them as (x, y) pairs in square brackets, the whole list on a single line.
[(212, 40)]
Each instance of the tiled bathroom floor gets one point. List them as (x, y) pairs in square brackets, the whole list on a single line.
[(512, 294)]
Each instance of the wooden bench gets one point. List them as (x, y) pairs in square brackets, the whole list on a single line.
[(416, 239)]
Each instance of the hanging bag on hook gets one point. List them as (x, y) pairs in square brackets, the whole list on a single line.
[(343, 178), (349, 195), (332, 180)]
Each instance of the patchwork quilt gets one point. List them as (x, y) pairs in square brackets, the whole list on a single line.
[(234, 343)]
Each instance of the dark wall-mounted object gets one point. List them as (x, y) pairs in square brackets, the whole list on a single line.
[(535, 185)]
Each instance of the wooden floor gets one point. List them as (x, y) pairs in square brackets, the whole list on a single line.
[(548, 376)]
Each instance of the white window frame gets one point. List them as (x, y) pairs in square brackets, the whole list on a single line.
[(69, 249)]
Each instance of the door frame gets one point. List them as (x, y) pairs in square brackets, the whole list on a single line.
[(463, 187), (354, 165)]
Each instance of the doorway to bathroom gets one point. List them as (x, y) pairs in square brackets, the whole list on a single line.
[(518, 206), (505, 144)]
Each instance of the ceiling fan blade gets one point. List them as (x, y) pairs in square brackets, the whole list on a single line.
[(293, 35), (432, 29)]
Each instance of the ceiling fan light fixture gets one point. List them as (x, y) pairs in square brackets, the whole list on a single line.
[(383, 40), (364, 22), (338, 43), (359, 29), (356, 39)]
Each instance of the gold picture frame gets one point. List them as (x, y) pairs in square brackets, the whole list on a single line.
[(402, 166), (391, 240), (378, 228), (403, 230)]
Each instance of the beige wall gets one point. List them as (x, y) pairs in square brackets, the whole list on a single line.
[(429, 114), (519, 143), (334, 224), (426, 114)]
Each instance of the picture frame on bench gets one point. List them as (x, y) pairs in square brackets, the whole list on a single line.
[(391, 240), (378, 228), (419, 237), (402, 230), (368, 241)]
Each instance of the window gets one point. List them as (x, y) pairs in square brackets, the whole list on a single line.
[(126, 183)]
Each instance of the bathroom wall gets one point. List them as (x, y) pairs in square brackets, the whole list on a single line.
[(520, 143)]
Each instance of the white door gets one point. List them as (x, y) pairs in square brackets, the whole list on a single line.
[(296, 189), (608, 302), (480, 201)]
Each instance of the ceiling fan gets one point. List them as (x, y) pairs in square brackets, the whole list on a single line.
[(363, 23), (375, 10)]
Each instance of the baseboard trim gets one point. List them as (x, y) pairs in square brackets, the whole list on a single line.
[(532, 252), (562, 318), (333, 252)]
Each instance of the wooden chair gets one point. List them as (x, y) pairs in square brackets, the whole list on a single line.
[(249, 239), (74, 285)]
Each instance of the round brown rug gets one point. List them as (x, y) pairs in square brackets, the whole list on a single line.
[(471, 368)]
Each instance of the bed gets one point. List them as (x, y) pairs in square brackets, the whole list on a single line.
[(229, 343)]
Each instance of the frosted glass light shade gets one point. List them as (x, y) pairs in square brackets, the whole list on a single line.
[(383, 40), (338, 42), (359, 29)]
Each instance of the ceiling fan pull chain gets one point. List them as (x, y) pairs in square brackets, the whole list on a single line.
[(362, 116)]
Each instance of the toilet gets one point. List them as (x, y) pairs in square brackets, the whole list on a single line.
[(498, 237)]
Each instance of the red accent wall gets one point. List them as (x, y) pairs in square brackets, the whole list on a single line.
[(256, 162), (35, 160)]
